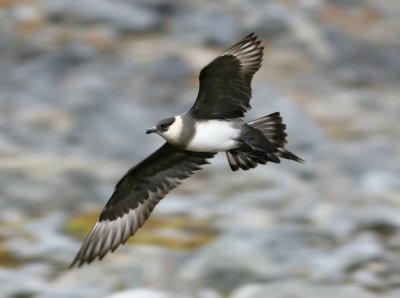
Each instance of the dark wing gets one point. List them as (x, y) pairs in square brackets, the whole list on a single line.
[(135, 196), (225, 83)]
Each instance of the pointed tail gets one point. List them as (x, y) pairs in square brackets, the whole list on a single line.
[(273, 129)]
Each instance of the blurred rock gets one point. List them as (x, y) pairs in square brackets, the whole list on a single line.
[(121, 16), (44, 240), (296, 289), (271, 256), (269, 19), (356, 62), (81, 81), (35, 277), (197, 24), (144, 293), (356, 254), (164, 8)]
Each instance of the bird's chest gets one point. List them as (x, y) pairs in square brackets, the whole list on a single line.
[(214, 136)]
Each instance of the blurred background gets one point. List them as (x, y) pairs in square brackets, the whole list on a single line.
[(81, 81)]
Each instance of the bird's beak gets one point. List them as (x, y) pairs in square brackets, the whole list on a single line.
[(151, 130)]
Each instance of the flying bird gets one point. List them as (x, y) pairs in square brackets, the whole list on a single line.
[(213, 124)]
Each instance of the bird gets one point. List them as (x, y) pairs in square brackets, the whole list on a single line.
[(213, 124)]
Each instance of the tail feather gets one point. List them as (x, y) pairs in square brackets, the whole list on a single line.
[(247, 160), (273, 130), (239, 160), (289, 155)]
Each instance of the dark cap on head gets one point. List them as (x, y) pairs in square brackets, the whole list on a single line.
[(161, 125)]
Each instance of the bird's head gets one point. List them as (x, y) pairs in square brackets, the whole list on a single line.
[(169, 128)]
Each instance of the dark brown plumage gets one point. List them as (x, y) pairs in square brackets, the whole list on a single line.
[(223, 98), (135, 196), (225, 83)]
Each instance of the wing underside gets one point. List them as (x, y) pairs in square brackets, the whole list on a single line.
[(135, 196)]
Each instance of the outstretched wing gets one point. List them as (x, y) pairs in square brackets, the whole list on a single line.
[(225, 83), (135, 196)]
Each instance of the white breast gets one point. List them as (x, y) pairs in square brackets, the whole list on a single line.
[(213, 136)]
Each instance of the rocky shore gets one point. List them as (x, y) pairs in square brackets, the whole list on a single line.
[(81, 81)]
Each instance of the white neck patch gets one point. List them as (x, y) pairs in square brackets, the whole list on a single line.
[(172, 135)]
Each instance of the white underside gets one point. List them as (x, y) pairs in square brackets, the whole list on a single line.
[(213, 136)]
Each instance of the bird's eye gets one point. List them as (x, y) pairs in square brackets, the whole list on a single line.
[(164, 125)]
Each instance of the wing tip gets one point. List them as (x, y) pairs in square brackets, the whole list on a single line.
[(78, 262), (249, 51), (245, 42), (96, 245)]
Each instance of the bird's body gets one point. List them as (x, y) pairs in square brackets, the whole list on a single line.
[(213, 124), (214, 135)]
